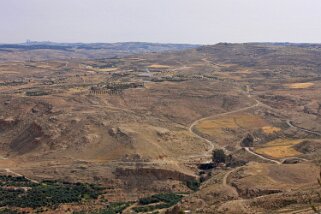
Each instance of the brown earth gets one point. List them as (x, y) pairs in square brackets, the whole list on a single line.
[(126, 122)]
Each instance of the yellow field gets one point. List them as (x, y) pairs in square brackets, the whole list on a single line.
[(300, 85), (217, 126), (270, 129), (76, 90), (101, 69), (279, 148), (158, 66), (43, 66), (105, 69)]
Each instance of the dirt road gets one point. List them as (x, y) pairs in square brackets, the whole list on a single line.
[(261, 156), (9, 171), (228, 174), (289, 123), (211, 144)]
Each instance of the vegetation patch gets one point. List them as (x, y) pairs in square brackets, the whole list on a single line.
[(218, 156), (114, 208), (8, 211), (158, 201), (20, 192), (193, 185), (37, 93)]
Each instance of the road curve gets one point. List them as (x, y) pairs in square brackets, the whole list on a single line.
[(228, 174), (211, 144), (289, 123), (261, 156)]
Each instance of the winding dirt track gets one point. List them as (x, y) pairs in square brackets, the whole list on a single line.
[(261, 156), (289, 123), (211, 144), (228, 174)]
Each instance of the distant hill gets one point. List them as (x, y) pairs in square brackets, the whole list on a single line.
[(266, 55), (37, 51)]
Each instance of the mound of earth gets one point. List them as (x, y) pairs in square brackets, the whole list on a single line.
[(27, 140), (263, 179)]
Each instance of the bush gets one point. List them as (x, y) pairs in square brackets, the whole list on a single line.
[(193, 185), (8, 211), (167, 199), (148, 200), (219, 156), (234, 162), (114, 208), (206, 166)]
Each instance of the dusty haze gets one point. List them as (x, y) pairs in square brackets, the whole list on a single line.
[(179, 21)]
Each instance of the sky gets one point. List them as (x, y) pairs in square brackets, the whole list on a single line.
[(162, 21)]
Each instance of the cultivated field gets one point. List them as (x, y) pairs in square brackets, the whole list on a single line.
[(279, 148)]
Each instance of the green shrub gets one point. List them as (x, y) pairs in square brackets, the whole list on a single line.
[(7, 211), (114, 208), (47, 193), (193, 185), (148, 200), (167, 200), (219, 156)]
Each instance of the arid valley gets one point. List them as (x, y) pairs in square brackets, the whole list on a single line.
[(138, 126)]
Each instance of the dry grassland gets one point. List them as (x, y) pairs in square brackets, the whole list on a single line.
[(106, 69), (300, 85), (270, 129), (218, 126), (279, 148), (158, 66)]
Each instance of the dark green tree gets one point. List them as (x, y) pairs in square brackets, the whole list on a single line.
[(218, 156)]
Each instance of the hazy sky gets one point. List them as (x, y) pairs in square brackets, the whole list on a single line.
[(173, 21)]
